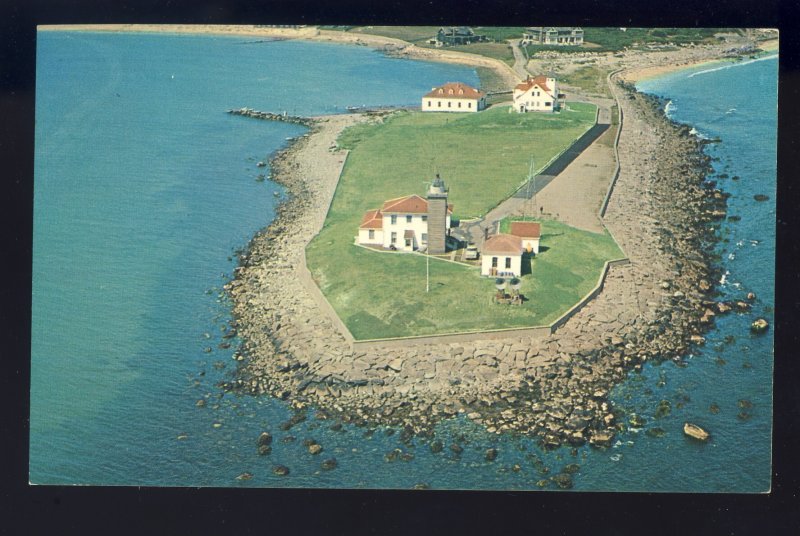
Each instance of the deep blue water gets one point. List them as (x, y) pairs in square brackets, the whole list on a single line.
[(145, 188)]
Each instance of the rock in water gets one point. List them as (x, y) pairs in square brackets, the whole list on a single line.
[(422, 485), (436, 446), (280, 470), (562, 480), (330, 464), (264, 439), (491, 454), (314, 448), (244, 476), (263, 450), (760, 325), (694, 431), (760, 197)]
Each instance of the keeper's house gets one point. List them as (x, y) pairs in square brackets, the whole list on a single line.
[(454, 97), (536, 94), (410, 223)]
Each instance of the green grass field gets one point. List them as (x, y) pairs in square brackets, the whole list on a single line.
[(481, 157)]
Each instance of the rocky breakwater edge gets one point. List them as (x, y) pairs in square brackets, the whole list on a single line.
[(662, 212)]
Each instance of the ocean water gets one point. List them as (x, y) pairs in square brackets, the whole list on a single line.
[(145, 189)]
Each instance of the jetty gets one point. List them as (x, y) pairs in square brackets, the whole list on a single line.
[(270, 116)]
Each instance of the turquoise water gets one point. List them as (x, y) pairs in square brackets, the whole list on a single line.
[(145, 188)]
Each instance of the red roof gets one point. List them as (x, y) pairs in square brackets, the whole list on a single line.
[(455, 90), (373, 219), (503, 243), (410, 204), (540, 81), (526, 229)]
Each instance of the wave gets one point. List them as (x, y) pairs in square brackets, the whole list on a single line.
[(730, 65)]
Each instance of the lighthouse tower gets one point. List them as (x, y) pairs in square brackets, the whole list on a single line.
[(437, 216)]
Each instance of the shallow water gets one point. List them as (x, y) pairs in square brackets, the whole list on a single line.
[(145, 188)]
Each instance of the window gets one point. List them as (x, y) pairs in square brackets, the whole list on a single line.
[(494, 261), (408, 218), (439, 104), (424, 238), (449, 104), (408, 242), (469, 105), (424, 217), (394, 238), (394, 219), (459, 104), (508, 262), (547, 103), (429, 103), (371, 234)]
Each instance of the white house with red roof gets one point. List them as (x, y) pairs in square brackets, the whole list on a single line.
[(530, 232), (454, 97), (403, 223), (501, 256), (536, 94)]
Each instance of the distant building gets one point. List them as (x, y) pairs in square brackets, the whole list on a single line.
[(536, 94), (530, 232), (410, 223), (454, 97), (558, 36), (501, 255), (456, 35)]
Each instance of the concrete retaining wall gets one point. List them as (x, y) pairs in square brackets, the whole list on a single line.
[(607, 198)]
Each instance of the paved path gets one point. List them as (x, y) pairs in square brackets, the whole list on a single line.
[(570, 189), (520, 59)]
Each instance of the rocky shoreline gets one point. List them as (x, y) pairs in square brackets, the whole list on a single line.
[(662, 213)]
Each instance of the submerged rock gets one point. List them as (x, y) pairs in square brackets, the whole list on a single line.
[(244, 476), (264, 439), (280, 470), (562, 480), (491, 454), (330, 464), (760, 325), (436, 446)]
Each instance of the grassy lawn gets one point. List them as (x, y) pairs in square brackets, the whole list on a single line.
[(482, 157)]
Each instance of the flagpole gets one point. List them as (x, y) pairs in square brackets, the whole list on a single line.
[(427, 272)]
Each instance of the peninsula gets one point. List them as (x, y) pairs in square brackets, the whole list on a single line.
[(643, 181)]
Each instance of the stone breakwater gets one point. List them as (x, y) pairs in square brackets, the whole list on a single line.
[(662, 213), (269, 116)]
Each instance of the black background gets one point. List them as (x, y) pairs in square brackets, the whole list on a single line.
[(26, 509)]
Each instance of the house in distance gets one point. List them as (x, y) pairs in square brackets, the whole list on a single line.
[(456, 35), (454, 97), (410, 223), (557, 36)]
